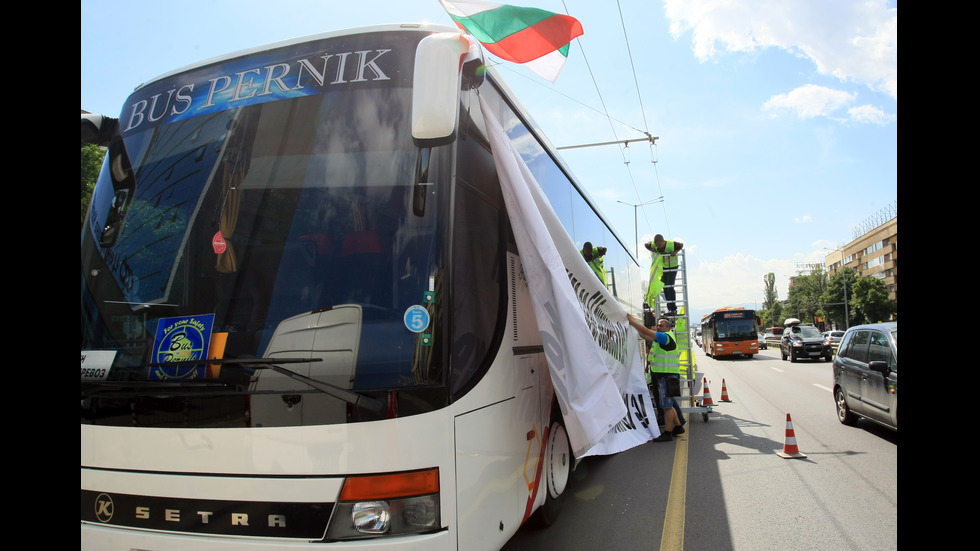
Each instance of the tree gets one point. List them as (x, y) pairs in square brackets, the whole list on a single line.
[(772, 310), (92, 157), (833, 297), (805, 295), (871, 303)]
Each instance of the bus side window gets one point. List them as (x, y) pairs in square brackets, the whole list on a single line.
[(479, 244)]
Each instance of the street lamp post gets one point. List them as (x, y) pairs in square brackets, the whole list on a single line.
[(636, 237)]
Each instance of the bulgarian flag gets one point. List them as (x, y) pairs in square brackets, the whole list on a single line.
[(536, 38)]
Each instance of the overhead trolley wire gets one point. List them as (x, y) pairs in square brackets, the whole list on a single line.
[(646, 127), (606, 112), (611, 119)]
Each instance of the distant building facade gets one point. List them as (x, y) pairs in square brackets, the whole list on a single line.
[(873, 252)]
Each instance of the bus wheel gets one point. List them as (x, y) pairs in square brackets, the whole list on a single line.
[(558, 471)]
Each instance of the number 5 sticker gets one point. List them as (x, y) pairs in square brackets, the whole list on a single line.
[(416, 318)]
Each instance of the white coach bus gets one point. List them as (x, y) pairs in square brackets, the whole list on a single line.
[(321, 220)]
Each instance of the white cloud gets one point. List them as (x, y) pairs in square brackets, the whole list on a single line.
[(736, 281), (809, 101), (869, 114), (805, 219), (851, 41)]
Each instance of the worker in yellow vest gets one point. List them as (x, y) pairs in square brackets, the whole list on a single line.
[(664, 364), (667, 250), (593, 256), (685, 356), (656, 278)]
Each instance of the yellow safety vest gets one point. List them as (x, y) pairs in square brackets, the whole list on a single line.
[(684, 340), (656, 274), (596, 265), (663, 361), (670, 262)]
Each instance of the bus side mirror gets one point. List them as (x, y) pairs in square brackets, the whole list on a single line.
[(440, 62)]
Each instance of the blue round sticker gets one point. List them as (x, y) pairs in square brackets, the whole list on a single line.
[(416, 318)]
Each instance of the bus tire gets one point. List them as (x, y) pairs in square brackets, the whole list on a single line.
[(558, 472)]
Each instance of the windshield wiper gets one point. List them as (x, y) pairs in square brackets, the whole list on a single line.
[(181, 387), (359, 400)]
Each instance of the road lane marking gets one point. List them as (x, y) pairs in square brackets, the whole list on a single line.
[(823, 387), (672, 538)]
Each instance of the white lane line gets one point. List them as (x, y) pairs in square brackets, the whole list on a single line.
[(823, 387)]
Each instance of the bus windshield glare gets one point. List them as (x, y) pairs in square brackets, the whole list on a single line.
[(287, 227)]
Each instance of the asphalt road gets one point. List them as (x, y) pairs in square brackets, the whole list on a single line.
[(722, 485)]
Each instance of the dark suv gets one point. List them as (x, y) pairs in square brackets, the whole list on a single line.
[(866, 375), (804, 341)]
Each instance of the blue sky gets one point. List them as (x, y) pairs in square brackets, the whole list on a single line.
[(777, 120)]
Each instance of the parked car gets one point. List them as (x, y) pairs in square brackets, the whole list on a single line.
[(833, 337), (866, 375), (772, 339), (803, 341)]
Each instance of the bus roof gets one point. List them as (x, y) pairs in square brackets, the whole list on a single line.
[(431, 27)]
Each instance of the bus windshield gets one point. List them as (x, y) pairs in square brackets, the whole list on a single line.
[(735, 328), (288, 229)]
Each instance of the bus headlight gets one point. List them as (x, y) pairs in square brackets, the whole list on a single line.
[(386, 505), (371, 517)]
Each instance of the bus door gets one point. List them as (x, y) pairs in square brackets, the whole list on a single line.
[(499, 447)]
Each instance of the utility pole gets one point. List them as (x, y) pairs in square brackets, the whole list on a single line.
[(636, 237)]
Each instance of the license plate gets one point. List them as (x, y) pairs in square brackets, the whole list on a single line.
[(815, 353)]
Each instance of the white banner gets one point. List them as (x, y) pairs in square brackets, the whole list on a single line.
[(593, 353)]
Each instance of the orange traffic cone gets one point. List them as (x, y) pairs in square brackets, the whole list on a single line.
[(707, 395), (724, 392), (790, 450)]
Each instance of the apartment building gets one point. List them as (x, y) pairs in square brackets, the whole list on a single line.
[(873, 252)]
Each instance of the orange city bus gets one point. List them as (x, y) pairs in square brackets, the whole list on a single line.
[(730, 331)]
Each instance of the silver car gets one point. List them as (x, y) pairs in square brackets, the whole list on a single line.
[(866, 375), (833, 337)]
